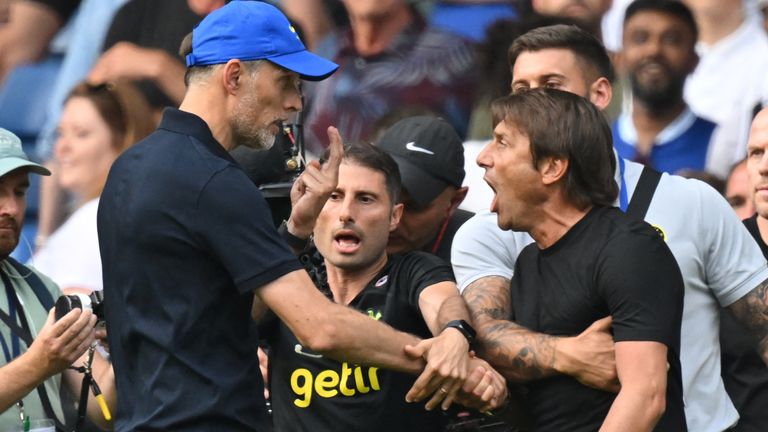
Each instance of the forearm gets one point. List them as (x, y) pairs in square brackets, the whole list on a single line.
[(752, 311), (17, 379), (634, 410), (350, 336), (516, 352), (452, 308), (168, 73)]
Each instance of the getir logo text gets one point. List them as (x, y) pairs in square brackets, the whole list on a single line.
[(330, 383)]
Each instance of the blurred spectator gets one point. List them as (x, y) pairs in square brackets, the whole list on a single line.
[(729, 80), (430, 157), (659, 129), (88, 28), (388, 58), (30, 27), (87, 32), (738, 191), (97, 124), (744, 374), (589, 13), (142, 45)]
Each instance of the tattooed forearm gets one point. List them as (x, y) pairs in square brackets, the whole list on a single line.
[(518, 353), (488, 298), (752, 311)]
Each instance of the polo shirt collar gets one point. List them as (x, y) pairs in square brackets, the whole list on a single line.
[(186, 123)]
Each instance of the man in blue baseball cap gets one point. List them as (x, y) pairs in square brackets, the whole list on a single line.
[(189, 251)]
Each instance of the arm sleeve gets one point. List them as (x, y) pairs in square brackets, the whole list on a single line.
[(639, 279), (481, 249), (734, 264), (242, 236), (421, 271)]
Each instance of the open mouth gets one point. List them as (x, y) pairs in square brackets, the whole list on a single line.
[(347, 241), (494, 208)]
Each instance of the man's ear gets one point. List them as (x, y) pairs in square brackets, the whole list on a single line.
[(601, 93), (458, 197), (397, 213), (552, 170), (231, 75)]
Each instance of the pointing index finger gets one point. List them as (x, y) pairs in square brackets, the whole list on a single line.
[(336, 147)]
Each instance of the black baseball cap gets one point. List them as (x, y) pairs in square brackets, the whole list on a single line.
[(429, 154)]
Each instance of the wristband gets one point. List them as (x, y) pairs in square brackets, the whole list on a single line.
[(465, 330), (296, 243)]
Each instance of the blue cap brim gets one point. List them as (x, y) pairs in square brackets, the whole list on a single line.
[(309, 66)]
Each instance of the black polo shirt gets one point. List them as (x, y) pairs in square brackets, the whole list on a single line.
[(185, 239)]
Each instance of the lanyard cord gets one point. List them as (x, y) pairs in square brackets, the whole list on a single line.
[(623, 198), (15, 344)]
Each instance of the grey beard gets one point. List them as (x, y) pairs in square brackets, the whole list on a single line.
[(261, 140)]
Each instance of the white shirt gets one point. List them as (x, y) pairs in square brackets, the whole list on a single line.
[(730, 79), (71, 256), (718, 258)]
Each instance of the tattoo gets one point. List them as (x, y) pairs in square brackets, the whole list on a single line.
[(752, 311), (518, 353)]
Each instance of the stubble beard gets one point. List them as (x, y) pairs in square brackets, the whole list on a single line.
[(244, 130)]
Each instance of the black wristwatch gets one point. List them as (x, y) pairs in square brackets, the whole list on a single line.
[(465, 329)]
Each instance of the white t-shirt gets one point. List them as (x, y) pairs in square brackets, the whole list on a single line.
[(718, 258), (730, 79), (71, 256)]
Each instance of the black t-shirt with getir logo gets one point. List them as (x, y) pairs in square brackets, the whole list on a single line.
[(606, 264), (313, 393)]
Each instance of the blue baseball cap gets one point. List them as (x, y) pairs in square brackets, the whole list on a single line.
[(253, 30)]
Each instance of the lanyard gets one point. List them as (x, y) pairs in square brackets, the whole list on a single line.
[(15, 350), (623, 199)]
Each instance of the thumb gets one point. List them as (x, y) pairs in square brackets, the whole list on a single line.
[(415, 351)]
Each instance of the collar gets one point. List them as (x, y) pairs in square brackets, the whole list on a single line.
[(628, 132), (189, 124)]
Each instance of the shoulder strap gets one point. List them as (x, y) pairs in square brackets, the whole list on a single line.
[(24, 331), (641, 199), (34, 281)]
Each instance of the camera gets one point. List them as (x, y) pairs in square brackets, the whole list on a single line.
[(94, 302), (274, 170)]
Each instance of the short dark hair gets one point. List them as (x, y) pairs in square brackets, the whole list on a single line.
[(588, 50), (370, 156), (672, 7), (562, 124)]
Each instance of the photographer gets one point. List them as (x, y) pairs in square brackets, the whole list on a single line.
[(29, 375)]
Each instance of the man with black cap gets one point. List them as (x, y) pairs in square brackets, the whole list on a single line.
[(430, 156), (36, 349), (187, 240)]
